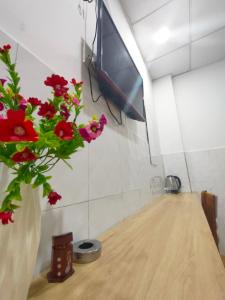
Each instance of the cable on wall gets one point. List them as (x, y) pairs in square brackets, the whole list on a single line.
[(182, 141), (120, 121), (148, 141)]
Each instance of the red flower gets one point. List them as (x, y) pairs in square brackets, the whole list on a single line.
[(47, 110), (53, 197), (64, 112), (5, 48), (34, 101), (74, 82), (64, 130), (16, 129), (3, 81), (6, 217), (1, 106), (66, 97), (25, 155), (58, 83)]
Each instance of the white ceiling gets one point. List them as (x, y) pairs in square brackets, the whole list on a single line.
[(197, 33)]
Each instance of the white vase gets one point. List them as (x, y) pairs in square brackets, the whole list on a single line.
[(19, 243)]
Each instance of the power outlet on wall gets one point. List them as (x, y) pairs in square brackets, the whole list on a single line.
[(157, 185), (88, 58)]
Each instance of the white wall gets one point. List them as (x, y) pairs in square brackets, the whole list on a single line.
[(166, 112), (200, 101), (200, 98), (112, 177), (171, 143)]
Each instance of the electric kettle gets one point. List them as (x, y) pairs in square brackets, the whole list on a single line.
[(172, 184)]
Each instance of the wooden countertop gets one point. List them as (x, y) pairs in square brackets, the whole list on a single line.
[(166, 251)]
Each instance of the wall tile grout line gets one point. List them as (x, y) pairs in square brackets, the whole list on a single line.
[(195, 69), (190, 48), (92, 200), (88, 191)]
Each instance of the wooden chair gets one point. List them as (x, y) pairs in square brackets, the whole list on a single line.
[(210, 208)]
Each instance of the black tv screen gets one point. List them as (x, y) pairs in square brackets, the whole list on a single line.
[(118, 77)]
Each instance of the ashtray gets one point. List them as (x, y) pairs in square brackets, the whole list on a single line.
[(86, 251)]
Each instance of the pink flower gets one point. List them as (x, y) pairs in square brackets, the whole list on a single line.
[(3, 81), (93, 130), (85, 134), (103, 121), (23, 104), (76, 101), (6, 217), (53, 197)]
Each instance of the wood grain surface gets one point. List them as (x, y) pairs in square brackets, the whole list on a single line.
[(166, 251)]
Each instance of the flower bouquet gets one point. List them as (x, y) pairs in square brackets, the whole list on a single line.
[(36, 135)]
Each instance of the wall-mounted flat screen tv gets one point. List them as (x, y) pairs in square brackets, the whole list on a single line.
[(118, 77)]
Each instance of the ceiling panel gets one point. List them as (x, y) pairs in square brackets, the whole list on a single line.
[(208, 49), (198, 25), (174, 63), (206, 17), (137, 9), (175, 17)]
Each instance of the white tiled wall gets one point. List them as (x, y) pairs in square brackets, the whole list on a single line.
[(57, 221), (207, 172), (175, 165), (112, 177)]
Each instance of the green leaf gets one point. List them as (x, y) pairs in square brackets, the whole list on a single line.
[(6, 161), (42, 168), (40, 179), (46, 189), (20, 147), (13, 206), (12, 195), (29, 109), (13, 184)]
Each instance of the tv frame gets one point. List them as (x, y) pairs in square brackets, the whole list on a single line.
[(109, 88)]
